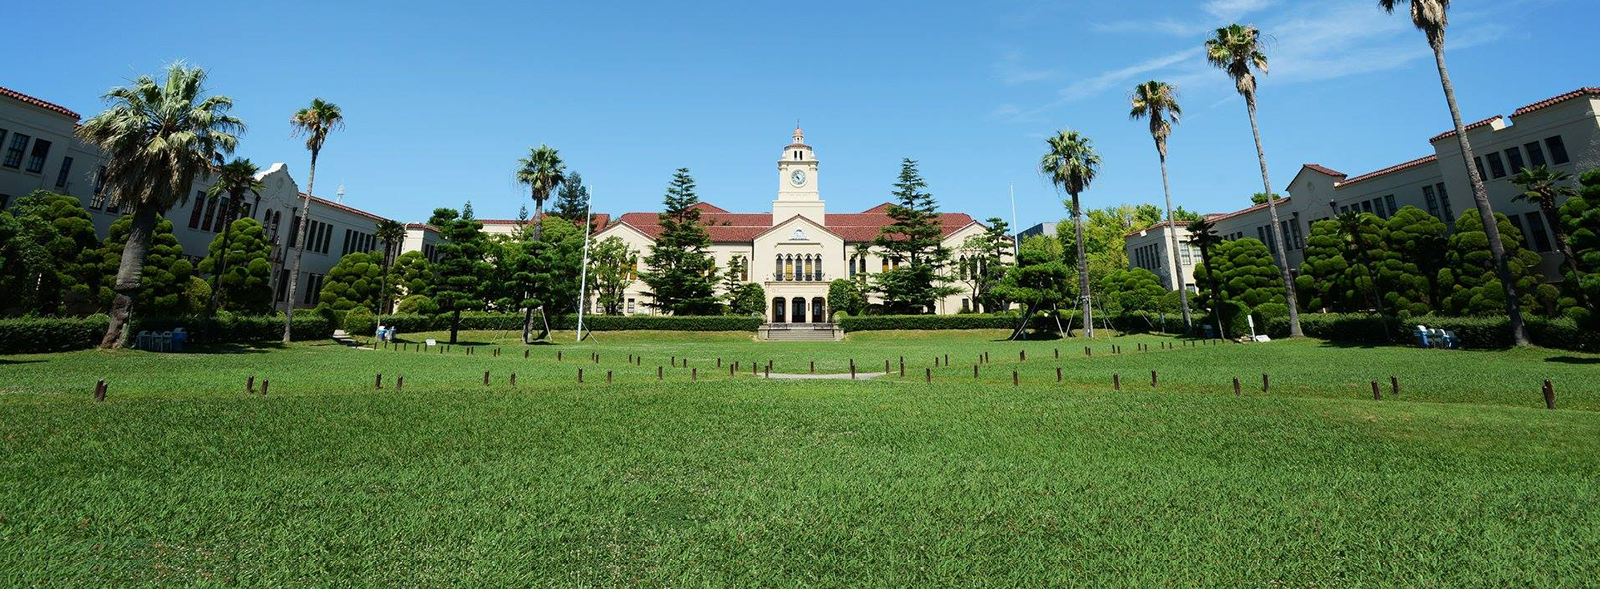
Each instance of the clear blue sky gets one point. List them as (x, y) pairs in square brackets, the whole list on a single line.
[(442, 98)]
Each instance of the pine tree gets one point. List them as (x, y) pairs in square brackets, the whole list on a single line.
[(356, 281), (1581, 217), (682, 274), (166, 291), (458, 277), (913, 243), (52, 266), (1244, 274), (572, 198), (1421, 240), (1323, 280)]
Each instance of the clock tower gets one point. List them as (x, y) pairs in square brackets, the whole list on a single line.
[(797, 183)]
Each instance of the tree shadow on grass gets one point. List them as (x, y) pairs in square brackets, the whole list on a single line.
[(6, 362), (234, 348), (1572, 360)]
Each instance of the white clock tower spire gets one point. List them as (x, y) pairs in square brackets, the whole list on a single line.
[(797, 183)]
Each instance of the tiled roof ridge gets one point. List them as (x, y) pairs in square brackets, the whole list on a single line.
[(26, 99), (1391, 169)]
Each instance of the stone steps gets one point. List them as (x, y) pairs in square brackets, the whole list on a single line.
[(805, 333)]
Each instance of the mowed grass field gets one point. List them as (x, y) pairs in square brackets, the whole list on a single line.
[(182, 479)]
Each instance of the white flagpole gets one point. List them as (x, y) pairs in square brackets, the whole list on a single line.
[(1016, 249), (583, 280)]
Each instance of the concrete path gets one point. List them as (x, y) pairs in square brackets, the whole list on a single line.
[(844, 376)]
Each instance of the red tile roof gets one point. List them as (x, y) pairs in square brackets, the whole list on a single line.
[(726, 227), (1161, 225), (1554, 100), (1221, 216), (50, 106), (1391, 169), (1452, 132), (345, 208), (597, 221), (1325, 170)]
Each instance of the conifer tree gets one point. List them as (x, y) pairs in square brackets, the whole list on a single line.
[(1421, 240), (166, 277), (913, 244), (245, 285), (1470, 279), (458, 276), (682, 274), (50, 265), (572, 198)]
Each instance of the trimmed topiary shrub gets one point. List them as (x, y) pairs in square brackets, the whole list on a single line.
[(360, 321)]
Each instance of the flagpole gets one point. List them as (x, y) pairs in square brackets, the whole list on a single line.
[(1016, 249), (583, 280)]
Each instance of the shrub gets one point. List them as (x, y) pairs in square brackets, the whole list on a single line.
[(1474, 332), (227, 329), (360, 321), (417, 304), (33, 335)]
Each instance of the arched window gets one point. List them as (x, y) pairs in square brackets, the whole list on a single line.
[(778, 309), (852, 265), (819, 310), (885, 262), (778, 267)]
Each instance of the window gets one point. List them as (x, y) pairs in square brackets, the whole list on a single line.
[(1541, 239), (1389, 198), (313, 289), (1344, 209), (1366, 206), (1299, 238), (1535, 155), (3, 133), (283, 282), (346, 249), (630, 305), (64, 173), (41, 150), (1496, 167), (4, 200), (852, 265), (885, 262), (223, 204), (1444, 201), (199, 209), (14, 151), (1514, 156), (99, 198), (1380, 209), (294, 226), (211, 210), (1558, 150), (1482, 172), (1431, 200)]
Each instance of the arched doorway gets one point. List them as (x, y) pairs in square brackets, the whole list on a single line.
[(819, 310), (798, 314), (777, 310)]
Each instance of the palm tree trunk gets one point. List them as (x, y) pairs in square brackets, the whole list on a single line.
[(1083, 268), (299, 249), (129, 273), (1480, 197), (1554, 221), (1172, 232), (222, 256), (1282, 252)]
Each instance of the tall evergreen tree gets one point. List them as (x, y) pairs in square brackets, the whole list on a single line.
[(1581, 216), (682, 274), (458, 276), (572, 199), (1422, 240), (1470, 278), (51, 268), (612, 264), (1243, 272), (913, 244), (165, 276)]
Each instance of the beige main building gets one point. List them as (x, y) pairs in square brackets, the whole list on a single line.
[(794, 251)]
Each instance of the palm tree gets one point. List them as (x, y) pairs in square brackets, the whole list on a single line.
[(1429, 17), (1542, 186), (1237, 50), (315, 122), (1071, 164), (542, 171), (1205, 237), (390, 234), (157, 136), (234, 179), (1158, 101)]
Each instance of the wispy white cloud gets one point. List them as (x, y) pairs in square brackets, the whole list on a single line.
[(1233, 9), (1310, 41), (1165, 26), (1012, 69)]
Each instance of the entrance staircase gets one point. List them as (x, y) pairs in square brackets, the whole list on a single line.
[(800, 332)]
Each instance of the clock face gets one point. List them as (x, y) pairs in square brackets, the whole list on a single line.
[(797, 177)]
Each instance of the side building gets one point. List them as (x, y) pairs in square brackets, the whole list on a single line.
[(1562, 132), (40, 151)]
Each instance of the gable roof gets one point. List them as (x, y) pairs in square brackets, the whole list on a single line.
[(1220, 216), (1161, 225), (1452, 132), (1554, 100), (1325, 170), (344, 207), (1427, 159), (597, 221), (29, 100), (726, 227)]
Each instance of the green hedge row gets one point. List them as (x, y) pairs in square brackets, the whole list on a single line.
[(40, 335), (405, 324), (1474, 332)]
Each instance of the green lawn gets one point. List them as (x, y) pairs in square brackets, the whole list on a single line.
[(182, 479)]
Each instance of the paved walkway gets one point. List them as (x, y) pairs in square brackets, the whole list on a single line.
[(843, 376)]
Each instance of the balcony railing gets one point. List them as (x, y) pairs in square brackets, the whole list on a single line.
[(801, 277)]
